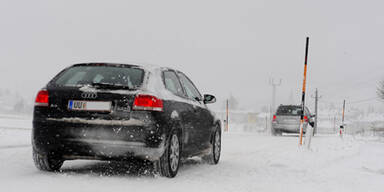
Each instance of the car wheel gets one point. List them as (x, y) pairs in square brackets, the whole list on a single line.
[(276, 132), (46, 163), (214, 155), (169, 162)]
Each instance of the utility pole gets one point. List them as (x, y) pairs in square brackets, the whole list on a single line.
[(334, 124), (274, 85), (317, 97), (273, 107), (266, 123)]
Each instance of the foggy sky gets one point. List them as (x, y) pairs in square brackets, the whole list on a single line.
[(225, 47)]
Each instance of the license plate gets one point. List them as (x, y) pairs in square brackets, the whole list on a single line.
[(89, 105)]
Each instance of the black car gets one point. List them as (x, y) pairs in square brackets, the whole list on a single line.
[(107, 111)]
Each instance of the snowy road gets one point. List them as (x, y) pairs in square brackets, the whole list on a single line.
[(249, 163)]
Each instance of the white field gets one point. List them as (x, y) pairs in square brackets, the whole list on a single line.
[(249, 162)]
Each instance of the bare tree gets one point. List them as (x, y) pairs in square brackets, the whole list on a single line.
[(380, 90)]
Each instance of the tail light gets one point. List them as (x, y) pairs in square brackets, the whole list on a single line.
[(306, 118), (147, 103), (274, 118), (42, 98)]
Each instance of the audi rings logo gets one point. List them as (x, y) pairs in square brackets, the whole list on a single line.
[(89, 95)]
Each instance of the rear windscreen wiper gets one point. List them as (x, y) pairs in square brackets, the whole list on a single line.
[(111, 86)]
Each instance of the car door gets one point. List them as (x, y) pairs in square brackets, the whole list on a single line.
[(204, 119), (182, 107)]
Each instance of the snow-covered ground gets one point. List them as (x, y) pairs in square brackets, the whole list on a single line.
[(250, 162)]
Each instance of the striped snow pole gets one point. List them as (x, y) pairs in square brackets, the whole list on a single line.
[(342, 121), (303, 93)]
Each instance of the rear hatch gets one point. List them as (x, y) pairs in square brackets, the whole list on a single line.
[(94, 91), (287, 119), (288, 115), (90, 104)]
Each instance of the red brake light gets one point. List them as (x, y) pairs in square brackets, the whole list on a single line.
[(42, 98), (274, 118), (147, 103)]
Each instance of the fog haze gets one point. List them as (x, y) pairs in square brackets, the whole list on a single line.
[(225, 47)]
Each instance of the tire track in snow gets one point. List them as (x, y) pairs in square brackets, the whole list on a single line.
[(11, 137), (14, 146), (16, 128)]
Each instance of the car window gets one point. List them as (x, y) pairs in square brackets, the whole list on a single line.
[(82, 75), (289, 110), (190, 89), (172, 83)]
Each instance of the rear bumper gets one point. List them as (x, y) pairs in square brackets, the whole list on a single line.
[(70, 139), (104, 149), (289, 128)]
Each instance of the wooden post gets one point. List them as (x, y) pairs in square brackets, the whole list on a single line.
[(226, 116), (342, 121), (334, 125), (317, 97)]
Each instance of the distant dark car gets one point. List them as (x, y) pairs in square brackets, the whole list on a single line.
[(110, 111), (287, 119)]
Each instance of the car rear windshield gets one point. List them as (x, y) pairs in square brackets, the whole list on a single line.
[(289, 110), (103, 75)]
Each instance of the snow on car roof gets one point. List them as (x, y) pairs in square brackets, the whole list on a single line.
[(143, 65)]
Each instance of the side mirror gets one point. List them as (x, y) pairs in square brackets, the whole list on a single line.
[(209, 99)]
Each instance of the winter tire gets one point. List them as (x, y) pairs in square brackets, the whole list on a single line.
[(276, 132), (169, 162), (214, 156), (46, 163)]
